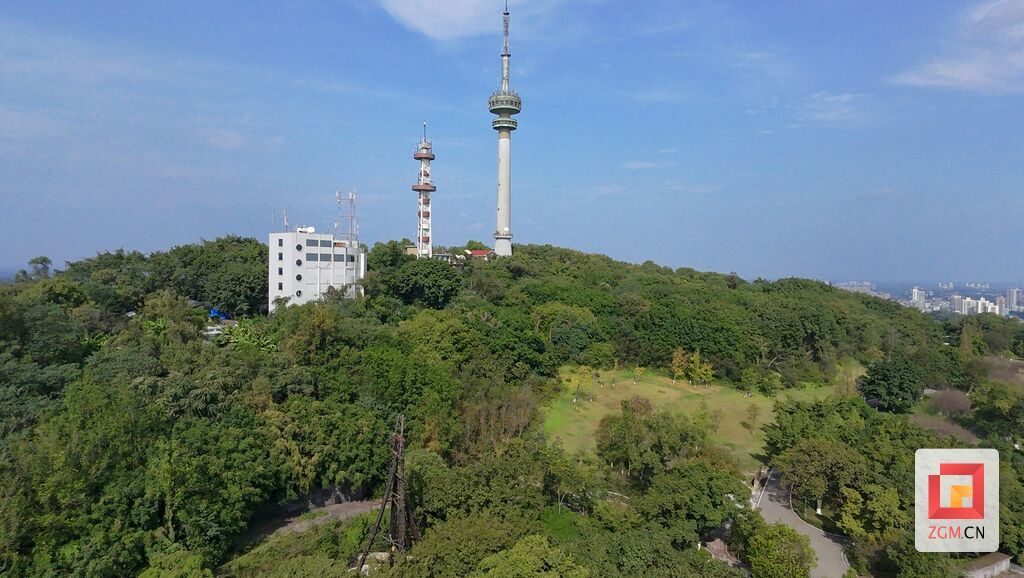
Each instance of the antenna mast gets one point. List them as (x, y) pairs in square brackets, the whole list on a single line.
[(347, 206), (505, 54)]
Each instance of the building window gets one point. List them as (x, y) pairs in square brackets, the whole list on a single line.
[(325, 257), (298, 293), (280, 242), (311, 257), (280, 256), (280, 286), (298, 247), (339, 257), (351, 258), (298, 277), (298, 262), (280, 270), (312, 243)]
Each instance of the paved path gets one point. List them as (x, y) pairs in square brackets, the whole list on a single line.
[(295, 524), (775, 507), (342, 511)]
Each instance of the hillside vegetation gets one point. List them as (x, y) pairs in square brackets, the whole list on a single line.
[(131, 444)]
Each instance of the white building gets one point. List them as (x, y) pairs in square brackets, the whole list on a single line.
[(304, 264), (1013, 300), (917, 298)]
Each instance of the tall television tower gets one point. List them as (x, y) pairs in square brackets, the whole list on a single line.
[(424, 186), (504, 103)]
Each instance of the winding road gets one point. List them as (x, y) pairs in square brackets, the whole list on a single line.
[(775, 507)]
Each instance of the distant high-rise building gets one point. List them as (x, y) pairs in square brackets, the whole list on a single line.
[(1001, 305), (1013, 299), (969, 306), (956, 304), (917, 298)]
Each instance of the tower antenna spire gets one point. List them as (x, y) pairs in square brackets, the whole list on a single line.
[(504, 52)]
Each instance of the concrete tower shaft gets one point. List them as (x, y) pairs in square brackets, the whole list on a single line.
[(504, 103), (423, 187)]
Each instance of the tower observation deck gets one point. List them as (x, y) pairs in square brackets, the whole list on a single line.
[(504, 103), (424, 186)]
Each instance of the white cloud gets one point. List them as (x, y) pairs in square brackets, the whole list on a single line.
[(454, 19), (225, 139), (657, 95), (830, 109), (645, 165), (986, 55), (28, 125), (446, 20)]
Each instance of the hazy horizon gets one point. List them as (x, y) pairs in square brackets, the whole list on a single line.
[(838, 142)]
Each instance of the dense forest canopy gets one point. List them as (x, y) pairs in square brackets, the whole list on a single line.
[(128, 440)]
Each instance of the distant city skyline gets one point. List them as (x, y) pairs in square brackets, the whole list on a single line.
[(836, 142)]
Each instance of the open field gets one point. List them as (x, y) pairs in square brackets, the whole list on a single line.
[(575, 424)]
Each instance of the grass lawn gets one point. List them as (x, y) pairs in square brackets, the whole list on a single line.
[(575, 424)]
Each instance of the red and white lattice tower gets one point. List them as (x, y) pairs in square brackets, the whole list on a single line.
[(423, 187)]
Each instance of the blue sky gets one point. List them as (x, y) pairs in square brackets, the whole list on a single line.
[(819, 138)]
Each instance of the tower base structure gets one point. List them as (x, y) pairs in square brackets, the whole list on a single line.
[(503, 245)]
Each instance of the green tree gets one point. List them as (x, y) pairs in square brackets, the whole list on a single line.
[(472, 245), (176, 564), (770, 383), (753, 413), (426, 282), (456, 548), (815, 468), (40, 267), (643, 442), (778, 551), (531, 556), (389, 256), (894, 383), (680, 363), (750, 379), (909, 563), (691, 499), (699, 371)]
